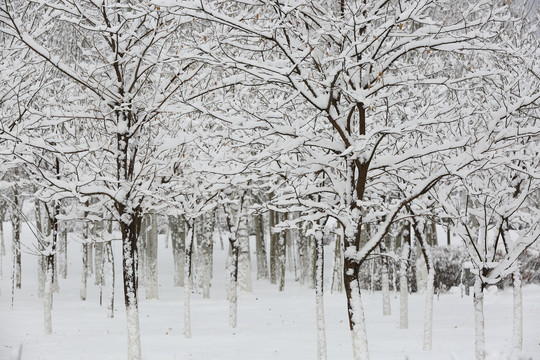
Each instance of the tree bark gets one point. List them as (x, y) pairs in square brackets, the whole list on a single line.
[(517, 333), (274, 238), (97, 231), (385, 282), (206, 253), (244, 258), (337, 274), (311, 269), (282, 255), (357, 323), (16, 231), (178, 235), (64, 258), (403, 284), (233, 224), (190, 238), (50, 252), (86, 249), (233, 301), (47, 300), (130, 227), (151, 257), (319, 298), (109, 273), (141, 246), (479, 338), (2, 240), (430, 279), (428, 315), (262, 263), (42, 270)]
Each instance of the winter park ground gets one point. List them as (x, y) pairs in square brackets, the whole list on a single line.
[(271, 325)]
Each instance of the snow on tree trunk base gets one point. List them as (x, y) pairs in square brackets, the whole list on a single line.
[(129, 266), (479, 338), (233, 305), (233, 283), (319, 298), (187, 310), (47, 300), (357, 323), (321, 328), (134, 338), (517, 335), (428, 315)]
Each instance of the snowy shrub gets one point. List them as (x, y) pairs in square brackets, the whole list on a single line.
[(530, 266), (448, 261)]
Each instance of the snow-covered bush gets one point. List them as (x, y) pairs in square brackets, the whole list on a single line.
[(448, 261), (448, 266)]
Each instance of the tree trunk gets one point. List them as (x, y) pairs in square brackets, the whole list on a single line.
[(244, 261), (479, 338), (517, 334), (403, 285), (219, 227), (64, 258), (152, 257), (206, 253), (190, 238), (2, 241), (282, 255), (42, 269), (50, 252), (274, 238), (428, 315), (337, 274), (319, 298), (141, 246), (357, 323), (311, 260), (16, 223), (302, 256), (56, 287), (430, 280), (109, 273), (47, 301), (233, 301), (130, 233), (86, 249), (262, 263), (411, 273), (97, 231), (178, 235), (85, 257), (233, 225), (290, 257), (431, 233), (385, 282)]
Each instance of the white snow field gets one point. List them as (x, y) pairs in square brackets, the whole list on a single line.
[(271, 325)]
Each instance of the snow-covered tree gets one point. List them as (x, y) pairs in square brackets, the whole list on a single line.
[(360, 90), (120, 64)]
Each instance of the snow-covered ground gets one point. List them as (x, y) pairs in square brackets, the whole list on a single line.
[(271, 325)]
